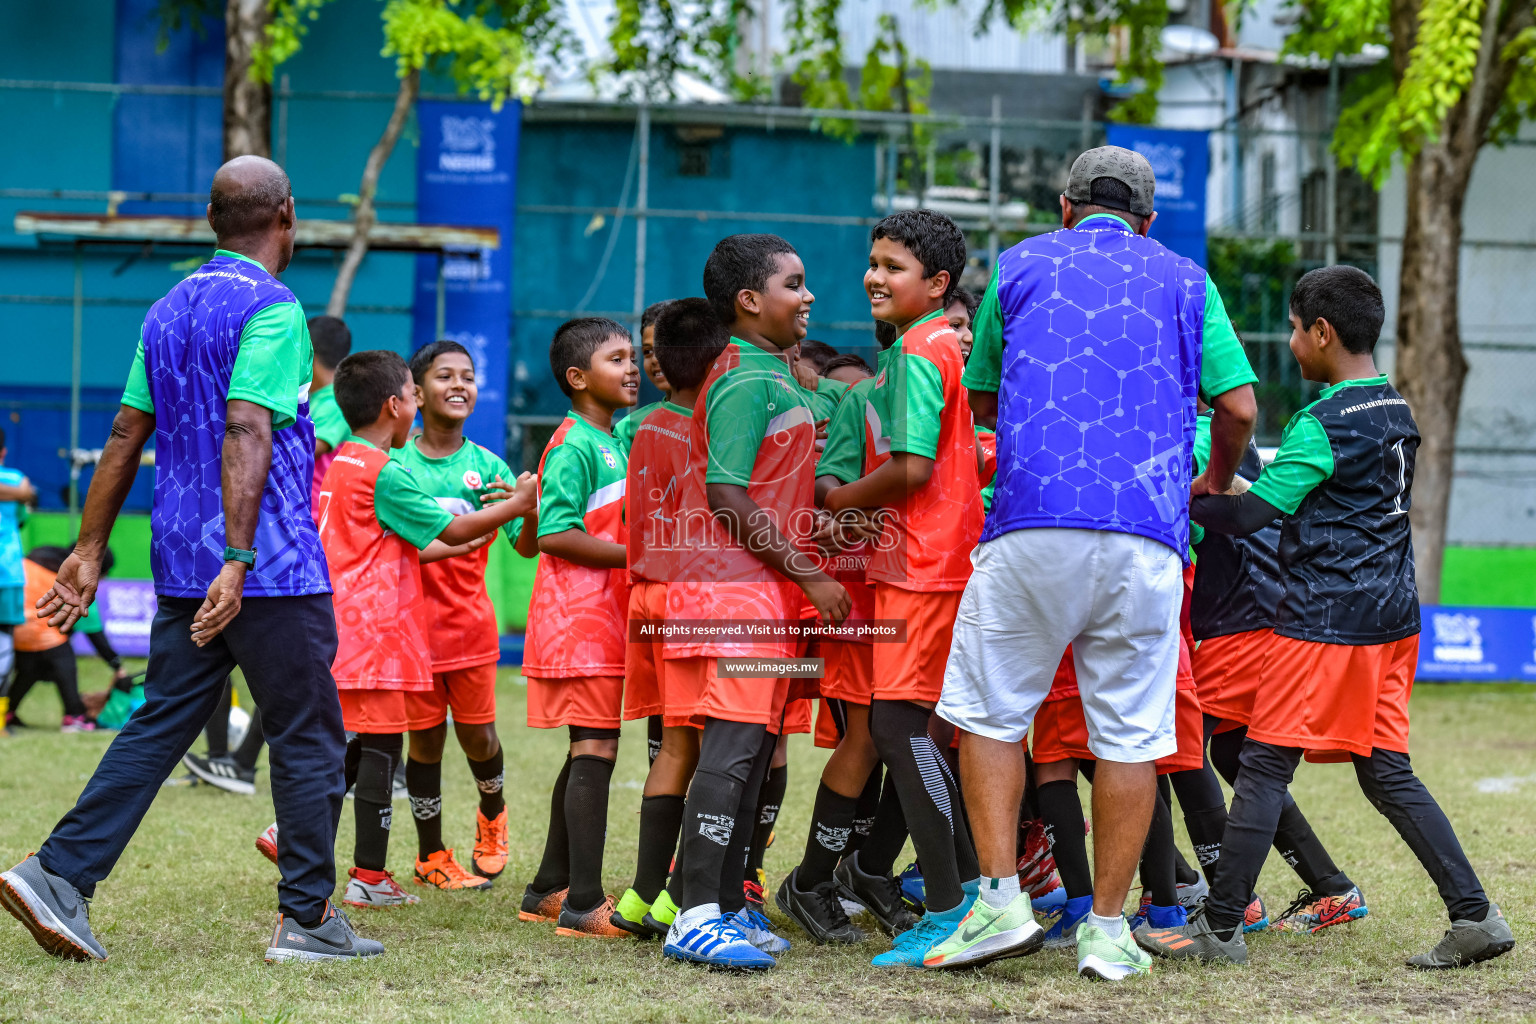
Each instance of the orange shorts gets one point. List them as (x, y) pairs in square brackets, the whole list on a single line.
[(593, 701), (1227, 673), (470, 692), (642, 660), (684, 681), (850, 670), (704, 693), (797, 717), (830, 723), (914, 670), (378, 712), (1334, 700)]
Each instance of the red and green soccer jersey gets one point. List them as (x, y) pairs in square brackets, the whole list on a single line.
[(374, 521), (577, 620), (463, 632), (929, 538), (658, 462), (986, 445), (624, 430), (854, 434)]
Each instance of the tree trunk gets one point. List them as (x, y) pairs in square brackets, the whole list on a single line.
[(247, 102), (364, 218), (1430, 366)]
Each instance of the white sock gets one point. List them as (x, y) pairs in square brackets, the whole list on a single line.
[(695, 916), (1113, 926), (997, 893)]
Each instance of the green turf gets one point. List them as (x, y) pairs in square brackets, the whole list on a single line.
[(189, 909)]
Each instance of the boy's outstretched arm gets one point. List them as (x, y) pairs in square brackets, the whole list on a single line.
[(465, 528), (754, 530), (581, 547), (1236, 412), (22, 492), (437, 550), (889, 484), (527, 543), (1235, 514)]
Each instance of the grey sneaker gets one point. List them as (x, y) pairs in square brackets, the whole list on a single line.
[(53, 910), (880, 894), (331, 939), (1467, 943), (1194, 941)]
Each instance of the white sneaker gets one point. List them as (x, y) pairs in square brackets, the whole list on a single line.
[(266, 843), (715, 942), (386, 893), (759, 931)]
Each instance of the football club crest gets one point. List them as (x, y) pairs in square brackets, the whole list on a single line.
[(472, 480), (608, 457), (880, 380)]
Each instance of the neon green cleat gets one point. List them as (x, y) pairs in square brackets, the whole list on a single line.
[(986, 934), (1109, 959), (658, 919), (629, 914)]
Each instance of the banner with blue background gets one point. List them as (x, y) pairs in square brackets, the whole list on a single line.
[(466, 175), (1471, 644), (1180, 160)]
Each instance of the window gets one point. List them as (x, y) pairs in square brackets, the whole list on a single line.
[(693, 160)]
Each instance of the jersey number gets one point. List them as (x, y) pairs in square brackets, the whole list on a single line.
[(1402, 480), (325, 509)]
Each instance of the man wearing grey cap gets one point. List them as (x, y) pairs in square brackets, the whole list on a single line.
[(1090, 348)]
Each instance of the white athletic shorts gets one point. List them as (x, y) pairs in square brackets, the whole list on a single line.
[(1114, 597)]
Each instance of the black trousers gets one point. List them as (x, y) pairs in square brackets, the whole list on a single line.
[(285, 646), (55, 665)]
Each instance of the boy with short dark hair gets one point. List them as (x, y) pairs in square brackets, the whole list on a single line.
[(1335, 682), (931, 501), (750, 482), (378, 526), (624, 429), (688, 338), (332, 342), (574, 659), (460, 475)]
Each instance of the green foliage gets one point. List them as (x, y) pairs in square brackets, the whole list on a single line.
[(174, 15), (653, 41), (290, 20)]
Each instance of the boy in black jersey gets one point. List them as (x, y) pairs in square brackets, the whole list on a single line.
[(1337, 676)]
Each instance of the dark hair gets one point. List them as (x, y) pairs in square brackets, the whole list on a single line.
[(577, 341), (818, 354), (331, 338), (364, 382), (847, 359), (422, 359), (737, 263), (688, 339), (1348, 299), (250, 208), (886, 334), (935, 240), (966, 298), (652, 312)]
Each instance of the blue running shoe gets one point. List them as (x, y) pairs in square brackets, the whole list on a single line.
[(912, 945), (759, 930), (1061, 923), (1047, 902), (715, 943), (1153, 916), (912, 889)]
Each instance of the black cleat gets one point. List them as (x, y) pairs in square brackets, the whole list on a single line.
[(880, 894), (818, 911)]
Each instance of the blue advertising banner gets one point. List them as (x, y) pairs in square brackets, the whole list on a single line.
[(1180, 161), (466, 174), (1470, 644)]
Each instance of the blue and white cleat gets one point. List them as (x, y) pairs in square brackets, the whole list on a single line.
[(754, 924), (715, 943)]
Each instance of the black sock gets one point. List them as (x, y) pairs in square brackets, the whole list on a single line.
[(586, 822), (250, 744), (733, 869), (831, 827), (660, 819), (864, 813), (555, 869), (1157, 871), (424, 783), (488, 779), (1256, 801), (1062, 812), (1205, 813), (888, 834), (217, 729), (653, 730), (372, 803), (929, 797), (1182, 872), (1029, 808), (727, 752), (1299, 846), (769, 800)]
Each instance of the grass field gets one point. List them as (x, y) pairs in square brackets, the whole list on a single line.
[(189, 909)]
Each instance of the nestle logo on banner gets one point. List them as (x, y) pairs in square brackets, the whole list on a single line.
[(1458, 638), (469, 145), (464, 267), (477, 344), (1167, 162)]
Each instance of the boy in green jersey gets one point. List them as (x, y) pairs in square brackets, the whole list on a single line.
[(332, 342), (624, 429)]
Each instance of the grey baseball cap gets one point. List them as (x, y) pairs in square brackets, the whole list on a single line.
[(1123, 165)]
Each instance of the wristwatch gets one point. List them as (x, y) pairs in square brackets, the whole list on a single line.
[(240, 555)]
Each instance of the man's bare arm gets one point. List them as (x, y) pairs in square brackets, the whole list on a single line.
[(246, 461)]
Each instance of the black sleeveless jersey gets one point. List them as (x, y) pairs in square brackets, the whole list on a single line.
[(1237, 579), (1346, 555)]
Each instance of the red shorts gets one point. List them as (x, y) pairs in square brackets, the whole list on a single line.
[(1227, 673), (470, 692), (1334, 700), (829, 723), (642, 660), (684, 681), (378, 712), (705, 693), (593, 701), (797, 717), (850, 671), (914, 670)]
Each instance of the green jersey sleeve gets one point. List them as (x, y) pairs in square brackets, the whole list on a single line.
[(984, 370), (403, 507), (824, 401), (1305, 459), (274, 362), (1223, 363), (843, 455), (136, 393), (330, 425), (624, 430), (568, 481), (1202, 456), (917, 403), (736, 422)]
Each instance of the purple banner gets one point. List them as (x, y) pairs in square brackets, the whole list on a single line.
[(127, 608)]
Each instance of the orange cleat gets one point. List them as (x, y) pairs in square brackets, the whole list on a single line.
[(594, 924), (489, 858), (442, 871), (542, 906), (266, 843)]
